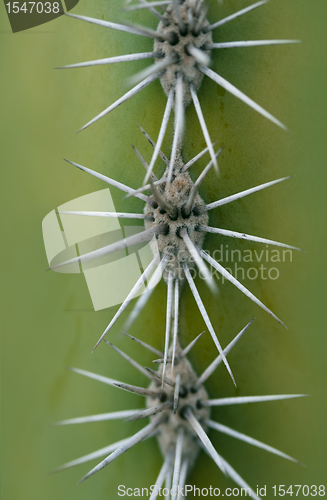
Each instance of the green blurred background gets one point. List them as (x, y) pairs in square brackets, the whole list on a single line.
[(47, 318)]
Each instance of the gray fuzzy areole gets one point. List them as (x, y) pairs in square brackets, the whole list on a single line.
[(189, 398), (179, 47), (177, 194)]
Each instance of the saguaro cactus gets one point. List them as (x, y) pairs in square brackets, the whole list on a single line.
[(176, 216)]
